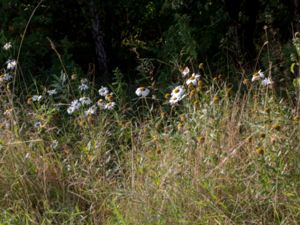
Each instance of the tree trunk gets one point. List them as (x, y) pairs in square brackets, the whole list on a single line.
[(296, 16), (98, 36)]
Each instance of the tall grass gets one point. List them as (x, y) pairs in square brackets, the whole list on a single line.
[(217, 158)]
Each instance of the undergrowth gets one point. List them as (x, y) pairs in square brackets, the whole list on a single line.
[(215, 156)]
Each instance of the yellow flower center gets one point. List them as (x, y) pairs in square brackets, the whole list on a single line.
[(109, 98)]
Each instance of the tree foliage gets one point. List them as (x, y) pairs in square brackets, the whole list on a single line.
[(173, 31)]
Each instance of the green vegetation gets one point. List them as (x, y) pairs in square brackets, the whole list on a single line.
[(185, 130)]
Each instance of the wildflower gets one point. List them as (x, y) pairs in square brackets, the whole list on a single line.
[(249, 139), (267, 82), (167, 95), (75, 105), (193, 79), (178, 91), (196, 103), (246, 82), (85, 101), (192, 94), (262, 135), (90, 119), (7, 46), (179, 126), (109, 97), (276, 127), (258, 76), (7, 77), (216, 99), (36, 98), (296, 118), (201, 66), (110, 106), (11, 64), (54, 144), (8, 112), (185, 72), (261, 74), (71, 110), (200, 139), (74, 76), (37, 124), (260, 151), (142, 92), (182, 117), (52, 92), (175, 99), (163, 114), (177, 95), (29, 101), (101, 104), (83, 87), (84, 81), (103, 91), (255, 77), (91, 111), (200, 85)]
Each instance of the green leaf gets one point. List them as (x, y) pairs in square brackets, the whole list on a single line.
[(292, 68), (296, 82)]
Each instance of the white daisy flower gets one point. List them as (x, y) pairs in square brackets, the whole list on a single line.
[(85, 101), (11, 64), (37, 124), (258, 76), (52, 92), (54, 144), (103, 91), (110, 106), (142, 92), (267, 81), (7, 46), (178, 91), (175, 99), (7, 77), (101, 104), (84, 81), (193, 79), (83, 87), (36, 98), (185, 71), (91, 111), (255, 78), (261, 74), (75, 104), (71, 110)]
